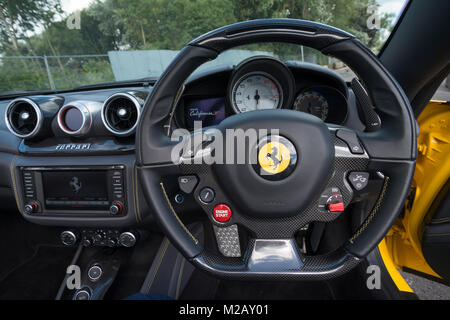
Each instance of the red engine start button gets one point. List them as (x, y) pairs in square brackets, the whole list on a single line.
[(222, 213)]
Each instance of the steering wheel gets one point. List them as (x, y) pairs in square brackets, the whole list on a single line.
[(273, 208)]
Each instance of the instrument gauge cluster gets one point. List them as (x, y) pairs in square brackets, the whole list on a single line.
[(326, 103), (313, 103), (261, 83), (256, 91)]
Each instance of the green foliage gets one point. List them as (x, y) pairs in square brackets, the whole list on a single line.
[(148, 24), (161, 24), (11, 77), (19, 17), (74, 72), (81, 71)]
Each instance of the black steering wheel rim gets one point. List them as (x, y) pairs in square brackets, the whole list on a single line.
[(392, 149)]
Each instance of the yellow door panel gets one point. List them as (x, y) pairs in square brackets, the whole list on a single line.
[(391, 267), (402, 245)]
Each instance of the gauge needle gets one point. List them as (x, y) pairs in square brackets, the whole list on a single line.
[(257, 97)]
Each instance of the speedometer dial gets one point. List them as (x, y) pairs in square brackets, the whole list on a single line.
[(312, 102), (256, 91)]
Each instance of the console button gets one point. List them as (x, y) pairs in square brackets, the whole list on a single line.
[(351, 139), (207, 195), (68, 238), (86, 242), (222, 213), (187, 183), (116, 208), (99, 236), (82, 294), (358, 180), (31, 207), (127, 239), (111, 243), (94, 273)]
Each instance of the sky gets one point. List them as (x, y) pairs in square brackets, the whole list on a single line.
[(74, 5), (390, 5)]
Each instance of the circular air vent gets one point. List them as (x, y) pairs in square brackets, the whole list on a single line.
[(74, 119), (23, 118), (120, 113)]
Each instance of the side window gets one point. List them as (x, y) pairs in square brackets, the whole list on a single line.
[(443, 92)]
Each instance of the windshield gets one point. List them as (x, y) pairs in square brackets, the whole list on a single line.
[(59, 45)]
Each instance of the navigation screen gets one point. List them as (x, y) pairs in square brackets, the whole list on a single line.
[(210, 111), (65, 189)]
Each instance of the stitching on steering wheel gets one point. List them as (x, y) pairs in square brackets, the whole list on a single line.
[(372, 213), (175, 214)]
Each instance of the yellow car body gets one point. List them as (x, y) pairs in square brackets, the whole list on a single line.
[(401, 248)]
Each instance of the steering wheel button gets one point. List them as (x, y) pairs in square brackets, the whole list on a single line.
[(187, 183), (351, 139), (358, 180), (207, 195), (222, 213), (336, 207)]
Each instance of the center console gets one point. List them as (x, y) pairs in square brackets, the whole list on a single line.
[(79, 191), (94, 191)]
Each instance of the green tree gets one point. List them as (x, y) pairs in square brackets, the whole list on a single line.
[(352, 15), (19, 17), (257, 9), (57, 39), (160, 24), (150, 24)]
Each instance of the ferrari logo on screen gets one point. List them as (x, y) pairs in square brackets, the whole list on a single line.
[(274, 157), (76, 185)]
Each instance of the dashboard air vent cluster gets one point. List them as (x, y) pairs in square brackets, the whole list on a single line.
[(120, 114), (23, 118)]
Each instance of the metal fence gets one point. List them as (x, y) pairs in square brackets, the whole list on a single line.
[(69, 71), (53, 72)]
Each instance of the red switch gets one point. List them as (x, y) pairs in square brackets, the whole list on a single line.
[(222, 213), (336, 207)]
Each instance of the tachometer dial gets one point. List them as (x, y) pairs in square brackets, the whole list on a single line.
[(312, 102), (256, 91)]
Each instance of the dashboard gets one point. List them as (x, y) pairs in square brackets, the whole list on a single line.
[(263, 83), (68, 158)]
